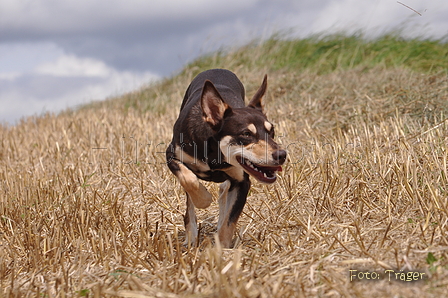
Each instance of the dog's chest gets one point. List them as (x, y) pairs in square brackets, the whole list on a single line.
[(204, 161), (211, 170)]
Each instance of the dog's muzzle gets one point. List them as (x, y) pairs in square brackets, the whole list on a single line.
[(264, 173)]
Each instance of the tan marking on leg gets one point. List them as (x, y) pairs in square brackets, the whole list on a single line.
[(198, 193), (223, 192), (226, 203), (225, 234), (190, 220)]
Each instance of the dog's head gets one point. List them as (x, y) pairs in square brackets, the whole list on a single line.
[(245, 135)]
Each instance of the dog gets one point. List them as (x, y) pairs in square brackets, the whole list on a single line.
[(217, 138)]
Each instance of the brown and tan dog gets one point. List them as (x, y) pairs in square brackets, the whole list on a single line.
[(217, 138)]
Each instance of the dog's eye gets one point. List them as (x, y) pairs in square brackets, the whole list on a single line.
[(246, 134)]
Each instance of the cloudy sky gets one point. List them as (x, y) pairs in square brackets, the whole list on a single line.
[(56, 54)]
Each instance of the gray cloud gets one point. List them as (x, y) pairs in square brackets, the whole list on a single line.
[(140, 34)]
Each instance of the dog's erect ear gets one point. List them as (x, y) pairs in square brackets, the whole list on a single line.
[(256, 101), (213, 106)]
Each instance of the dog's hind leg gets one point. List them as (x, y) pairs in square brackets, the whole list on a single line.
[(230, 208)]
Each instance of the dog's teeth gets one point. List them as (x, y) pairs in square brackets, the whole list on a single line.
[(265, 176)]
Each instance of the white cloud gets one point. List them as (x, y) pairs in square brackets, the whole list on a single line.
[(372, 17), (72, 66), (10, 76), (61, 82), (20, 57), (18, 101), (377, 17)]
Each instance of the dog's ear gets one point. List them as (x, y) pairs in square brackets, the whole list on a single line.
[(213, 106), (256, 101)]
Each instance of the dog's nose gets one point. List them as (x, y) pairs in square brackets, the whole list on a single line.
[(279, 156)]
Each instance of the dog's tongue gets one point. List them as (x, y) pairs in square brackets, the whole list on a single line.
[(276, 169)]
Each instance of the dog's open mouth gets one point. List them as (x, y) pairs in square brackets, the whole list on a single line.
[(266, 174)]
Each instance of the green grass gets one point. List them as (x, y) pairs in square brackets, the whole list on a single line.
[(318, 55), (324, 54)]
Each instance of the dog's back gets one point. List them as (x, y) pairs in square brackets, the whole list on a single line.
[(225, 81)]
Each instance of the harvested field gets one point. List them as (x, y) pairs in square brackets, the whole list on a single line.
[(88, 207)]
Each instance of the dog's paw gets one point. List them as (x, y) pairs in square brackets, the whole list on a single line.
[(191, 233)]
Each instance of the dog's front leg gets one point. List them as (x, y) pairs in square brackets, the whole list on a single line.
[(232, 199), (197, 195), (223, 193), (190, 221)]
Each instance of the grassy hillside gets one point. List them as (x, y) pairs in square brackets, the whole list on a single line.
[(88, 207)]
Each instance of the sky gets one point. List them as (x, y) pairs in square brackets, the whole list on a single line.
[(57, 54)]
